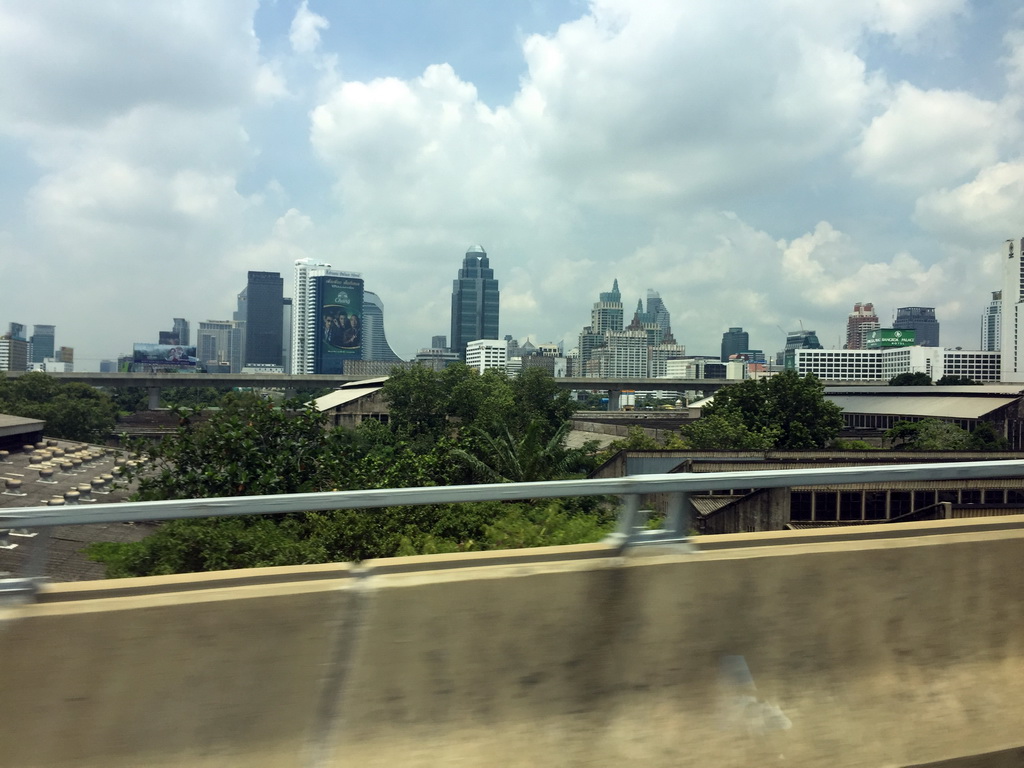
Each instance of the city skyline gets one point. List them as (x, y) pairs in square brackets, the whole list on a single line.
[(762, 175)]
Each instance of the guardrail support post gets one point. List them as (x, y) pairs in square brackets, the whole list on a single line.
[(677, 518), (628, 516)]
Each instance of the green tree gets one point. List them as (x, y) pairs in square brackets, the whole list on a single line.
[(248, 447), (917, 379), (955, 381), (928, 435), (507, 457), (726, 431), (985, 438), (788, 410), (71, 410)]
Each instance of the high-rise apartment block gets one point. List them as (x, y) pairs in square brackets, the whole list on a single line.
[(734, 341), (991, 324), (859, 323), (922, 320), (475, 301), (624, 355)]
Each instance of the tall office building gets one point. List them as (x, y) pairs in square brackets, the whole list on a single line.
[(1012, 352), (375, 342), (734, 341), (991, 324), (42, 342), (859, 323), (181, 330), (657, 313), (327, 314), (14, 349), (798, 340), (261, 306), (606, 314), (219, 346), (475, 301), (286, 334), (922, 320)]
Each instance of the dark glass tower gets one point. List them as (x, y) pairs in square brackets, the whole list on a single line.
[(734, 341), (263, 327), (922, 320), (42, 342), (474, 302)]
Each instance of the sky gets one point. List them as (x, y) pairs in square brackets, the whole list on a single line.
[(762, 165)]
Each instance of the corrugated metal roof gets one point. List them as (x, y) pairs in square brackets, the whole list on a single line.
[(942, 406), (343, 397), (705, 505), (975, 390)]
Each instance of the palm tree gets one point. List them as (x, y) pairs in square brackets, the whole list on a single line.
[(502, 457)]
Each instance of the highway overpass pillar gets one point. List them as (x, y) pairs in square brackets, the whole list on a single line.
[(154, 398), (614, 397)]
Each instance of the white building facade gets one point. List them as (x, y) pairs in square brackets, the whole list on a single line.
[(1012, 325), (880, 365), (482, 354)]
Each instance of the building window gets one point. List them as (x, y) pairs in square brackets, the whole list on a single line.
[(899, 503), (800, 505), (825, 505), (874, 505), (850, 505)]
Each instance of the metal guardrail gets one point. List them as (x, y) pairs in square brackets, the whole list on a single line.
[(628, 532)]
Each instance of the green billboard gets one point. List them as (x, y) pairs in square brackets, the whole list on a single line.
[(886, 338), (340, 332)]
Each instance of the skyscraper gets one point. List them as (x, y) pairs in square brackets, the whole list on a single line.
[(181, 330), (859, 323), (922, 320), (607, 312), (1012, 346), (219, 346), (734, 341), (327, 311), (264, 294), (991, 324), (475, 300), (42, 342), (375, 343), (657, 313)]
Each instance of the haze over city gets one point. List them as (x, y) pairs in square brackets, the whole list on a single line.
[(763, 166)]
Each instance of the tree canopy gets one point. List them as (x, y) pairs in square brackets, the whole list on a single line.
[(448, 427), (71, 410), (916, 379), (785, 411), (936, 435)]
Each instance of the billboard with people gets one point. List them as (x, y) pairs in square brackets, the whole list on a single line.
[(339, 302), (163, 358)]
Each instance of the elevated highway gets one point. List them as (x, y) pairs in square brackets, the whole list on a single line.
[(154, 382), (874, 646)]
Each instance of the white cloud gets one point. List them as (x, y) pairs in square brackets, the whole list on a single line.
[(77, 64), (933, 137), (982, 211), (305, 31)]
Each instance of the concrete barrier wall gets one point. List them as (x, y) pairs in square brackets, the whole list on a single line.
[(878, 648)]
